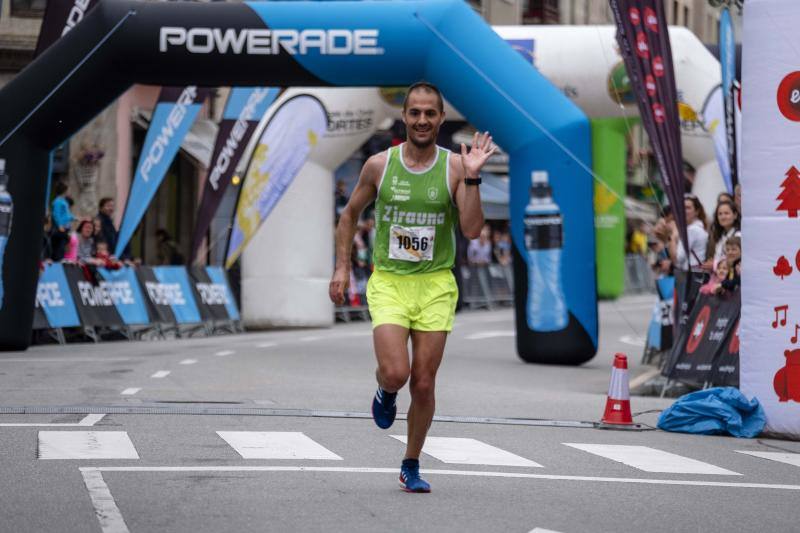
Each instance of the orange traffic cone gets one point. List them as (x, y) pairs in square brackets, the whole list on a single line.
[(618, 404)]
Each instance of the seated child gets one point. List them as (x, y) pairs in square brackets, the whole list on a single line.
[(719, 275)]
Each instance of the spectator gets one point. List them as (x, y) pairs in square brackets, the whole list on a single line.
[(724, 197), (726, 224), (108, 232), (168, 253), (732, 282), (737, 197), (697, 234), (719, 275), (502, 247), (71, 250), (85, 252), (479, 251), (103, 257), (62, 220), (47, 247), (341, 197), (733, 250), (97, 225), (637, 242)]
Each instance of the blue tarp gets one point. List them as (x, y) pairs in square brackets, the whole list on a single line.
[(715, 411)]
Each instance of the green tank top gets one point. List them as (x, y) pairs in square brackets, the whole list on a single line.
[(415, 217)]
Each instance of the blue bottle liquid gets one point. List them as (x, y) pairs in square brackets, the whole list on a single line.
[(546, 309)]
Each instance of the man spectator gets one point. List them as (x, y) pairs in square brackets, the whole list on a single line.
[(479, 251), (62, 220), (168, 253), (108, 232)]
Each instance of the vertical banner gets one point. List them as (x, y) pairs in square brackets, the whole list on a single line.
[(55, 299), (288, 138), (174, 114), (243, 111), (727, 59), (644, 44), (770, 322), (59, 18), (714, 121)]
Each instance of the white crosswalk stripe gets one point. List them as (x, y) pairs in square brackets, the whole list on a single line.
[(276, 445), (781, 457), (469, 452), (652, 460), (86, 445)]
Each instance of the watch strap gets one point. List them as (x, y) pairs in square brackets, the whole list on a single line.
[(473, 181)]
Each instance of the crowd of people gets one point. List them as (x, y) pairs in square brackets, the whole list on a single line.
[(92, 241), (714, 244)]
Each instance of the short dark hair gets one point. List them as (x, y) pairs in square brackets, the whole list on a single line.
[(427, 87), (104, 201), (59, 188)]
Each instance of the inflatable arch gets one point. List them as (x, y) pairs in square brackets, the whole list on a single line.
[(311, 44)]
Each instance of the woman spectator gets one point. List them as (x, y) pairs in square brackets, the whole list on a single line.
[(85, 253), (726, 224), (479, 251), (696, 232)]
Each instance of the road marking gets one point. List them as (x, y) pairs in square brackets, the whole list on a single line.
[(468, 473), (130, 391), (633, 340), (781, 457), (86, 445), (188, 362), (99, 359), (540, 530), (105, 508), (87, 421), (267, 344), (224, 353), (276, 445), (469, 452), (489, 335), (311, 338), (161, 374), (652, 460)]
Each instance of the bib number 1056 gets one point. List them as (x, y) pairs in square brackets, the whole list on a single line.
[(411, 243)]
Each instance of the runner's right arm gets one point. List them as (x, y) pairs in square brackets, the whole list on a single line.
[(363, 194)]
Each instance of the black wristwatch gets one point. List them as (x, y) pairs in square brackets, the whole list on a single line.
[(473, 181)]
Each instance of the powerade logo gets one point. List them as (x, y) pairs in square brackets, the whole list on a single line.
[(174, 120), (257, 41), (76, 14), (48, 294), (213, 293), (237, 134), (106, 294), (165, 293)]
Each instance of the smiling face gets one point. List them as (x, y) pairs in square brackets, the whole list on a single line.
[(691, 212), (725, 216), (722, 270), (423, 116)]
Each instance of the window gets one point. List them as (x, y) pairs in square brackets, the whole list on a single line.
[(675, 7), (686, 20), (28, 8)]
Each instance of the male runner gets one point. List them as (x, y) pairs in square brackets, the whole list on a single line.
[(421, 191)]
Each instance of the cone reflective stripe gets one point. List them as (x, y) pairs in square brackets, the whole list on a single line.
[(618, 404)]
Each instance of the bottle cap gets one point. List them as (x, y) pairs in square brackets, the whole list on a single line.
[(539, 177)]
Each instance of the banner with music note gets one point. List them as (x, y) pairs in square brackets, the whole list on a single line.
[(769, 328)]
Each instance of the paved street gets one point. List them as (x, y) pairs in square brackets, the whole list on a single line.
[(270, 432)]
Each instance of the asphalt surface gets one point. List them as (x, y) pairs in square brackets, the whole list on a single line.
[(319, 383)]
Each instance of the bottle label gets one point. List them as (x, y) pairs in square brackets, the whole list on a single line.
[(543, 232), (413, 244)]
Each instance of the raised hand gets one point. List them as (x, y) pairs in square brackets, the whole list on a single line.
[(481, 150)]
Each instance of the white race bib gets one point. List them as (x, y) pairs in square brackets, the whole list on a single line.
[(411, 244)]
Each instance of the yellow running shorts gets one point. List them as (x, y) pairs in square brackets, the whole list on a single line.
[(422, 302)]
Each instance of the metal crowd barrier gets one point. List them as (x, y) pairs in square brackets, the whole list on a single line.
[(638, 275)]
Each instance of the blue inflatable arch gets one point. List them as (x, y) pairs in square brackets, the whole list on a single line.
[(308, 44)]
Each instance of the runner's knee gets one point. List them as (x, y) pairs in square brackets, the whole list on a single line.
[(393, 379), (422, 387)]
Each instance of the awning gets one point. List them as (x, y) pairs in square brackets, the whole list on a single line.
[(198, 143)]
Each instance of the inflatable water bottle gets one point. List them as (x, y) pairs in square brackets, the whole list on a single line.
[(6, 211), (546, 309)]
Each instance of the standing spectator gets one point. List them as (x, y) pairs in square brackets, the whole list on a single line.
[(698, 237), (502, 247), (168, 253), (108, 232), (85, 252), (726, 224), (62, 220), (737, 197), (479, 251)]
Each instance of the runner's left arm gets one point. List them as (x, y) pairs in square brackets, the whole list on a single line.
[(468, 197)]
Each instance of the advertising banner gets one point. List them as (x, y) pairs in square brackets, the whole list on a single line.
[(644, 44), (770, 324), (214, 298), (714, 121), (243, 111), (174, 114), (94, 302), (54, 297), (59, 18), (122, 287), (727, 59), (289, 136), (659, 333), (171, 288), (708, 335)]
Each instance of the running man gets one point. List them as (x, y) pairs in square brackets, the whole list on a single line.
[(421, 192)]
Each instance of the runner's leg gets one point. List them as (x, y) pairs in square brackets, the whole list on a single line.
[(428, 349), (391, 351)]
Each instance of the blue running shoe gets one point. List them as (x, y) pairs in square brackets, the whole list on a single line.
[(383, 408), (409, 477)]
